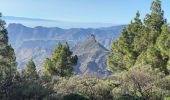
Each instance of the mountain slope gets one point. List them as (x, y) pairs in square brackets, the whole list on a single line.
[(19, 33), (92, 57), (28, 41)]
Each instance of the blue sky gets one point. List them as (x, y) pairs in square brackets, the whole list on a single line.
[(104, 11)]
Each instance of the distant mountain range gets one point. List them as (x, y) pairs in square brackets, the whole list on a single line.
[(19, 35), (38, 42), (32, 22)]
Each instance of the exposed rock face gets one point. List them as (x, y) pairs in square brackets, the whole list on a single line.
[(39, 42), (19, 33), (92, 57), (91, 38), (38, 54)]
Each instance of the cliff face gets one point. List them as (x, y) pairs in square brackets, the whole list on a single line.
[(92, 57), (28, 41), (19, 34)]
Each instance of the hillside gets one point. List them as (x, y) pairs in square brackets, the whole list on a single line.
[(92, 57), (26, 40), (128, 62), (19, 33)]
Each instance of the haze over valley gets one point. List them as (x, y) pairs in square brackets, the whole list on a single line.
[(84, 50)]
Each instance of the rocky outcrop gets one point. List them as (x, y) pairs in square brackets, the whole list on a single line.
[(91, 57)]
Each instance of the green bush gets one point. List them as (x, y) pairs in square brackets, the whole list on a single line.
[(74, 97)]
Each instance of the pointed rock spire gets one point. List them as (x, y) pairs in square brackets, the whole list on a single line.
[(91, 37)]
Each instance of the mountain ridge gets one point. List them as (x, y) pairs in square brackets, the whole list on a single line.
[(19, 32), (32, 22), (91, 57), (26, 40)]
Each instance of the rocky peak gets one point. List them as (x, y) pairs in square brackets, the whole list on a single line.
[(91, 38), (92, 57)]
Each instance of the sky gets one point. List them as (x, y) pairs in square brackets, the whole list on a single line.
[(104, 11)]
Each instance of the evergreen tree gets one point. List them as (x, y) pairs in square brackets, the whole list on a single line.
[(61, 62), (163, 40), (8, 65), (155, 27), (140, 43), (30, 70), (155, 20), (123, 49), (163, 43)]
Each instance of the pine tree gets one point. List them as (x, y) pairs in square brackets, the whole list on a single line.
[(163, 43), (8, 65), (31, 86), (154, 21), (163, 40), (30, 70), (61, 62), (123, 51), (143, 43)]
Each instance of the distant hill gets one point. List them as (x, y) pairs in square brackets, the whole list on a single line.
[(38, 54), (19, 34), (32, 22), (92, 57), (27, 40)]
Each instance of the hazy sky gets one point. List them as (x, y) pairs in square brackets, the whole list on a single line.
[(106, 11)]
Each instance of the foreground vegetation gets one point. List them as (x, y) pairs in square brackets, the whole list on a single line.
[(140, 64)]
